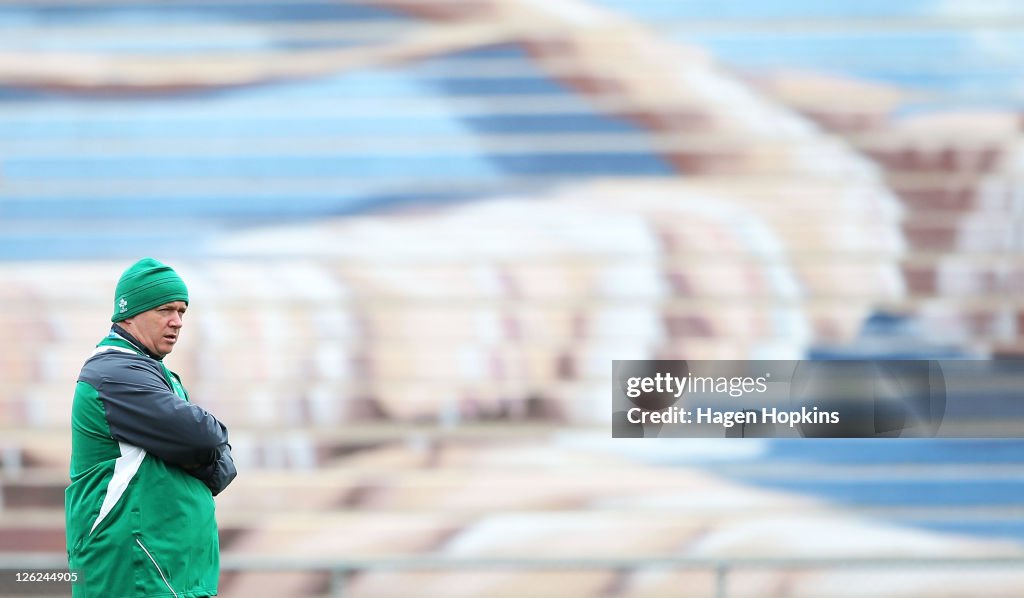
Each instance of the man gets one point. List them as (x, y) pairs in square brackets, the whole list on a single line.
[(145, 462)]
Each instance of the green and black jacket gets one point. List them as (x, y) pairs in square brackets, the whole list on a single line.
[(145, 466)]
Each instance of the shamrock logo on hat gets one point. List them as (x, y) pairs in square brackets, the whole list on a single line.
[(123, 305)]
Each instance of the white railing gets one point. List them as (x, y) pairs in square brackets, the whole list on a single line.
[(340, 569)]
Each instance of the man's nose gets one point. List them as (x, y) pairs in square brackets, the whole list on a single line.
[(175, 321)]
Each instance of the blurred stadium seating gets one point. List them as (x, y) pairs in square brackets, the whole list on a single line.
[(417, 232)]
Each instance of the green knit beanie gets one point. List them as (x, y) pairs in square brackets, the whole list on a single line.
[(144, 285)]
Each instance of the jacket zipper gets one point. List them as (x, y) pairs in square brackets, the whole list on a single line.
[(155, 564)]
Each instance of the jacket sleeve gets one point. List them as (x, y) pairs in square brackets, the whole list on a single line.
[(218, 474), (141, 410)]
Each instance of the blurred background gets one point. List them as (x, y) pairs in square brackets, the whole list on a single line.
[(417, 232)]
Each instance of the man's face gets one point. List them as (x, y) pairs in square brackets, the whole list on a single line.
[(159, 327)]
